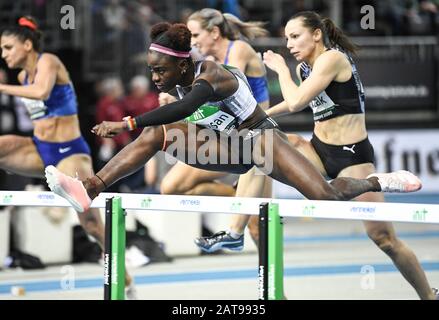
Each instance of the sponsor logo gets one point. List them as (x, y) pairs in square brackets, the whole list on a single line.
[(394, 92), (363, 209), (146, 203), (235, 206), (114, 267), (308, 210), (271, 282), (420, 215), (349, 149), (64, 150), (261, 282), (46, 196), (106, 269), (7, 199), (364, 212), (190, 202)]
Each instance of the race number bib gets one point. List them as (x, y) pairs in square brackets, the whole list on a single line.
[(322, 106), (35, 108), (212, 117)]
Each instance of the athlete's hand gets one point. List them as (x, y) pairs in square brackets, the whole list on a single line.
[(108, 129), (274, 61)]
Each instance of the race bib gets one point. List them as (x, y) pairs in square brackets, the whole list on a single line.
[(35, 108), (322, 106), (210, 116)]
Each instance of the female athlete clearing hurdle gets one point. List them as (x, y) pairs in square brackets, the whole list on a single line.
[(236, 135)]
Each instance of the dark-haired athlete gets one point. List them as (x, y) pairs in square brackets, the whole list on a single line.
[(222, 37), (235, 119), (50, 99)]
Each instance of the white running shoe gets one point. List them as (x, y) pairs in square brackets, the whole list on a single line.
[(398, 181), (69, 188)]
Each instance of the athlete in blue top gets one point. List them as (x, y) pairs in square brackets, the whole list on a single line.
[(50, 99)]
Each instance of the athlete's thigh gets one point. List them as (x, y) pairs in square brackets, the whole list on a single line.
[(19, 155), (289, 166), (306, 148), (182, 171), (187, 177)]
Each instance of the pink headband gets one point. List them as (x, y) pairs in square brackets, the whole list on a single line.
[(169, 51)]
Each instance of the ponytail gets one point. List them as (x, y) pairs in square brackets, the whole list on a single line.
[(250, 30), (229, 25), (337, 38)]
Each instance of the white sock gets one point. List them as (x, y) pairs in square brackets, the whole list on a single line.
[(235, 235)]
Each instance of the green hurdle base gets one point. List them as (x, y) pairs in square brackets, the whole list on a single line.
[(275, 254), (114, 277), (271, 269)]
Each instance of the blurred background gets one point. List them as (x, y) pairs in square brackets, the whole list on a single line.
[(105, 54), (398, 60)]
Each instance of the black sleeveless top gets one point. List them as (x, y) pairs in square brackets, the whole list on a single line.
[(339, 98)]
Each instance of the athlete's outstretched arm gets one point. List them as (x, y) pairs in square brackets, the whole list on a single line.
[(172, 112)]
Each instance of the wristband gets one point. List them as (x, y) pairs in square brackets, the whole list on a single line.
[(130, 122)]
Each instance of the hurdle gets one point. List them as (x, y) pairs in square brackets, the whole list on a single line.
[(270, 270), (271, 212)]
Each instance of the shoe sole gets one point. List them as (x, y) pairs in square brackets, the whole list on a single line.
[(217, 247), (54, 185)]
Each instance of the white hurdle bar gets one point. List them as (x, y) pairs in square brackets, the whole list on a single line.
[(270, 267), (347, 210)]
